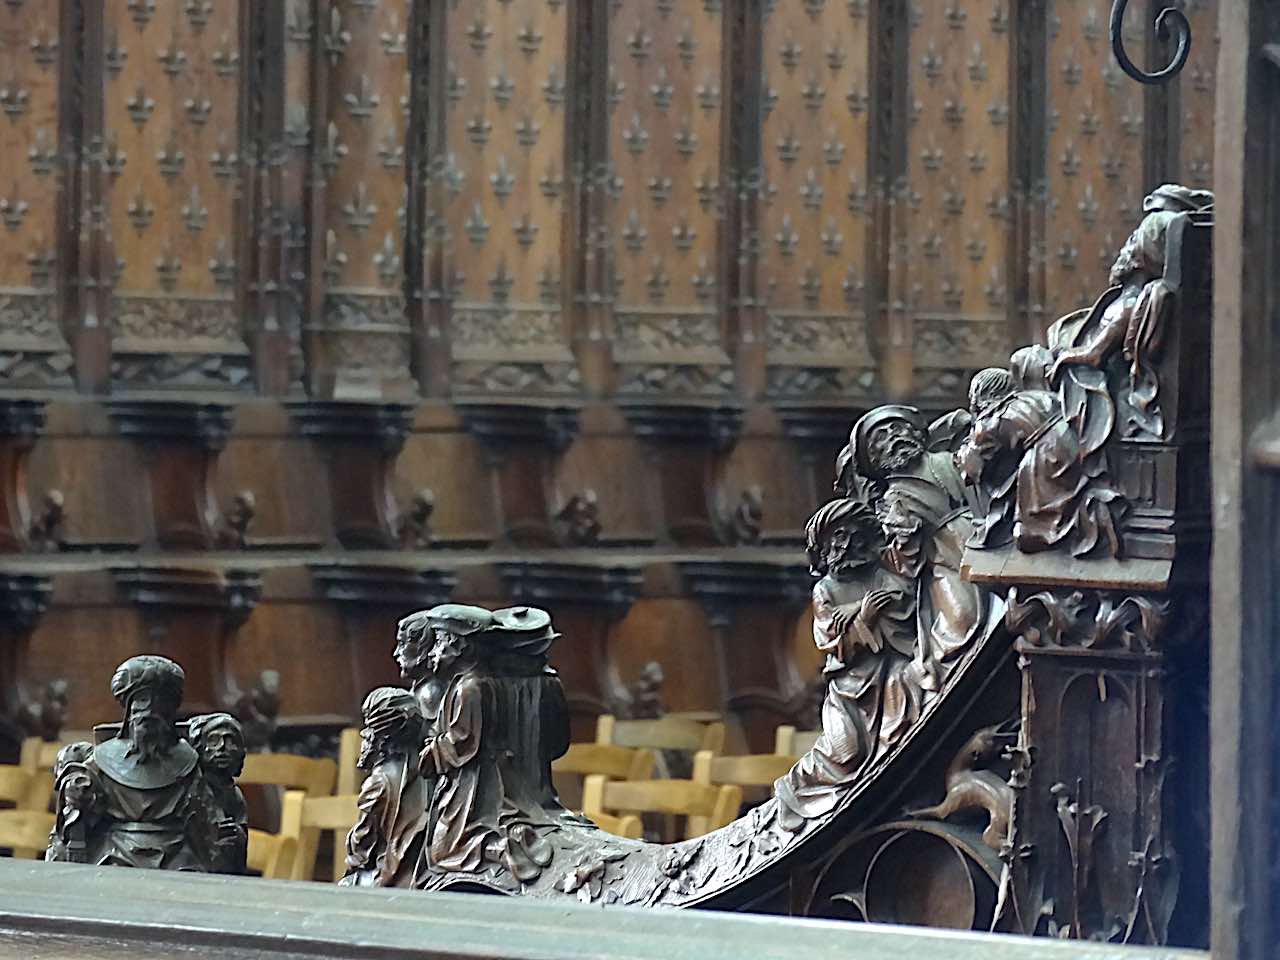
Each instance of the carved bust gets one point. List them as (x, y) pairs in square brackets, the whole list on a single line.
[(141, 797)]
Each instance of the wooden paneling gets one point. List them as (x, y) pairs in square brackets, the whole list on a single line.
[(665, 109), (32, 350), (815, 210), (173, 126)]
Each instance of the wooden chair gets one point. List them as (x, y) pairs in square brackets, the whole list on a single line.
[(350, 777), (272, 854), (315, 778), (628, 826), (25, 832), (616, 763), (665, 733), (304, 817), (704, 807), (753, 770), (29, 792), (39, 754), (789, 740)]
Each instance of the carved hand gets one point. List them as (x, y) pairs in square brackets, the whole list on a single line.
[(842, 617)]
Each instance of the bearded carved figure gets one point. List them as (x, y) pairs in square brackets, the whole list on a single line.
[(140, 798), (384, 845)]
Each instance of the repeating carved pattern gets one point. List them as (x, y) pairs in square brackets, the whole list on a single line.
[(1196, 89), (357, 144), (173, 126), (814, 182), (1094, 161), (667, 188), (505, 190), (31, 349), (958, 193)]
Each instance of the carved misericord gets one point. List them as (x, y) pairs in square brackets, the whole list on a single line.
[(913, 643), (144, 796)]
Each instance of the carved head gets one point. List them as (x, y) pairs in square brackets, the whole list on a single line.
[(987, 388), (219, 740), (150, 689), (393, 725), (842, 536), (1030, 367), (419, 633), (888, 440)]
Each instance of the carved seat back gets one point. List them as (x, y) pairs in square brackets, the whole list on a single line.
[(704, 806), (304, 817), (26, 789), (39, 754), (349, 775)]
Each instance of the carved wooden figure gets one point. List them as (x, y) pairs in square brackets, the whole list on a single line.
[(142, 798)]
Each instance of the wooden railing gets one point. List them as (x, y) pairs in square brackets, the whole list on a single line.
[(57, 911)]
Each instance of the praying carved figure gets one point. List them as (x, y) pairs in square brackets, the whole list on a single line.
[(1119, 340), (864, 620), (151, 805), (384, 845), (1033, 481), (219, 741), (920, 500)]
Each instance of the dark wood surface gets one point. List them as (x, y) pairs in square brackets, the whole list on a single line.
[(52, 911), (1246, 618)]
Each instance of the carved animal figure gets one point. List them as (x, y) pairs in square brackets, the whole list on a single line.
[(971, 788)]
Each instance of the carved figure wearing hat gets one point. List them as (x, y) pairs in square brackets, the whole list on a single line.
[(384, 845), (154, 808)]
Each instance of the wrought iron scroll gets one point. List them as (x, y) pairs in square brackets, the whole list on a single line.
[(1170, 19)]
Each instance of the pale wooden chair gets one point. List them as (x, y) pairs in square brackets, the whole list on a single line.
[(627, 826), (272, 854), (37, 754), (314, 777), (29, 793), (665, 733), (704, 807), (25, 832), (305, 817), (789, 740), (752, 770), (350, 777), (616, 763)]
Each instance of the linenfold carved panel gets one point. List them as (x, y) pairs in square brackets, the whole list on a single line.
[(32, 351), (666, 185), (173, 132), (814, 215)]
